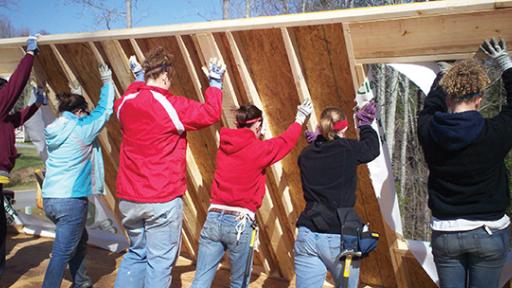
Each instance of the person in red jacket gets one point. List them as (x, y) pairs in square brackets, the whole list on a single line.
[(10, 91), (152, 167), (237, 192)]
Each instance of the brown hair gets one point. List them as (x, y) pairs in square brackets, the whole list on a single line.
[(466, 80), (71, 102), (157, 62), (329, 116), (245, 114)]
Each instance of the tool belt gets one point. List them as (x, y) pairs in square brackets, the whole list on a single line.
[(363, 241)]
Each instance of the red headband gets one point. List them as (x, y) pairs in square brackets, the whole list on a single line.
[(249, 121), (340, 125)]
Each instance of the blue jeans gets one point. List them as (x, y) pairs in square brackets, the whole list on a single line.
[(69, 247), (470, 258), (218, 235), (317, 253), (154, 230)]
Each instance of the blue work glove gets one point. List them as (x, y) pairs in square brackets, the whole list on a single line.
[(105, 73), (40, 96), (497, 50), (137, 70), (32, 44), (215, 72)]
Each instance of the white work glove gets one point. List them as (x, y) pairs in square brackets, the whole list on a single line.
[(497, 50), (303, 111), (215, 72), (136, 68), (32, 43), (105, 73), (76, 88)]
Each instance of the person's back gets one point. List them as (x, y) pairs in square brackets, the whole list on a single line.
[(74, 171), (152, 166), (237, 192), (468, 183), (329, 178)]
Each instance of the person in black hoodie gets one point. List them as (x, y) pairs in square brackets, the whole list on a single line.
[(328, 169), (468, 183)]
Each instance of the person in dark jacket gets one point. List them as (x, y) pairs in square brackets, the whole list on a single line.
[(328, 168), (10, 91), (468, 183)]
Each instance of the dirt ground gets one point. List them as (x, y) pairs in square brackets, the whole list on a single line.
[(28, 257)]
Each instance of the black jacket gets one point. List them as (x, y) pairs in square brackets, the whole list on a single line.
[(465, 155), (329, 176)]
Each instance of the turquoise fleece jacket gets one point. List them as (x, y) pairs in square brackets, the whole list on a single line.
[(75, 163)]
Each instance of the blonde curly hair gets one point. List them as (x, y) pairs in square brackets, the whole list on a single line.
[(464, 81)]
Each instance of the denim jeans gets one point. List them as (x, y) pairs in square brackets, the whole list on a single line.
[(69, 247), (470, 258), (218, 235), (317, 253), (154, 230)]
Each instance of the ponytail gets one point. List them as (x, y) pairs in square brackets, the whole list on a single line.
[(157, 62), (329, 117)]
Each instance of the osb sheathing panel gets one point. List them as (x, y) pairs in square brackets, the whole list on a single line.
[(322, 51)]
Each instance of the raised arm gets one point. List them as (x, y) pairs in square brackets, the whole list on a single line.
[(91, 125), (197, 115), (278, 147), (497, 50), (10, 92), (367, 148), (434, 102)]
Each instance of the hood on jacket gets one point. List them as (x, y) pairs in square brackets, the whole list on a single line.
[(454, 131), (59, 130), (234, 140)]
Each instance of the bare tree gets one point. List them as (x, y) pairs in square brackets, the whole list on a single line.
[(128, 4), (225, 10), (107, 13), (391, 111), (405, 131)]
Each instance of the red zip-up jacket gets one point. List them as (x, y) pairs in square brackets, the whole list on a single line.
[(152, 162), (241, 161), (9, 94)]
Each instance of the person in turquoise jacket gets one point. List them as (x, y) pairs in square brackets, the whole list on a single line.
[(74, 171)]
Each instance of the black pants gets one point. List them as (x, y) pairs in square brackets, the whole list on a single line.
[(3, 230)]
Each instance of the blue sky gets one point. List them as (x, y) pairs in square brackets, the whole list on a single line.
[(62, 16)]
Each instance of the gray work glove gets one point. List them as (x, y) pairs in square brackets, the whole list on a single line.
[(32, 44), (136, 68), (105, 73), (303, 111), (497, 50), (76, 88), (215, 72)]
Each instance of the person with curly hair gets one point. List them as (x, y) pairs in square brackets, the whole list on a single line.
[(468, 182)]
